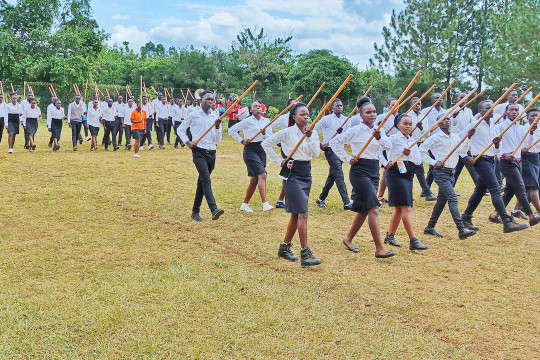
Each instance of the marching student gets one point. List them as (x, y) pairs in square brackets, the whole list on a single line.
[(530, 160), (364, 174), (150, 113), (510, 164), (25, 104), (119, 105), (330, 124), (296, 175), (485, 134), (126, 122), (162, 117), (3, 121), (500, 109), (390, 103), (30, 122), (204, 152), (179, 113), (109, 124), (254, 155), (138, 126), (440, 144), (76, 111), (50, 108), (169, 124), (13, 113), (94, 121), (55, 118), (399, 181), (420, 173)]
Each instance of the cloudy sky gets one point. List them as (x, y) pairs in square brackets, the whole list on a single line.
[(347, 27)]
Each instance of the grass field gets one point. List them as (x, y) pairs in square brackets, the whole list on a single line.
[(100, 260)]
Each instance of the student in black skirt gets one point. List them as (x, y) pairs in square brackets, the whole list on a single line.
[(30, 122), (254, 155), (55, 119), (399, 177), (13, 113), (296, 175), (364, 174), (530, 161)]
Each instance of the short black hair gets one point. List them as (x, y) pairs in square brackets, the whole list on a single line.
[(294, 110), (204, 93), (363, 101)]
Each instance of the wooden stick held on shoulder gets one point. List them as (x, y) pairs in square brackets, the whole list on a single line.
[(228, 110), (276, 117), (397, 109), (321, 114), (480, 120), (526, 134), (315, 95), (352, 113), (523, 95), (393, 110), (435, 104)]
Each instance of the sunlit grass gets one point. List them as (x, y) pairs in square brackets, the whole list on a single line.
[(100, 259)]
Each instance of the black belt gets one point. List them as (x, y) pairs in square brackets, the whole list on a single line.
[(163, 119), (57, 119), (486, 157), (447, 169), (205, 150)]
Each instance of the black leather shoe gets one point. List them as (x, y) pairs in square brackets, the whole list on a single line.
[(217, 213), (385, 255), (307, 258), (390, 239), (511, 226), (415, 244), (348, 206), (496, 220), (467, 222), (432, 231), (354, 249), (518, 214), (286, 253), (430, 197), (196, 217), (535, 220), (465, 233), (321, 204)]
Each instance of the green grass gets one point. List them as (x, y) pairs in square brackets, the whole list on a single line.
[(100, 260)]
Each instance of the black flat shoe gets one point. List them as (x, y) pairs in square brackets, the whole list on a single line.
[(496, 220), (432, 231), (535, 220), (518, 214), (196, 217), (217, 213), (415, 244), (354, 249), (465, 233), (385, 255), (390, 239)]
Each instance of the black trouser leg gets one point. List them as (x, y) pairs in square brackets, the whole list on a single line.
[(1, 128), (128, 134), (160, 130), (205, 163), (148, 135), (168, 129), (178, 140), (85, 127), (26, 138), (445, 181), (335, 174), (75, 132), (498, 171), (421, 177), (514, 185), (119, 130)]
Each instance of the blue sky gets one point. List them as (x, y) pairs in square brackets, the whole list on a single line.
[(347, 27)]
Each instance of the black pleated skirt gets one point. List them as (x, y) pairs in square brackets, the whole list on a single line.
[(56, 128), (364, 177), (13, 123), (297, 186), (255, 159), (530, 167), (94, 130), (400, 186), (31, 125)]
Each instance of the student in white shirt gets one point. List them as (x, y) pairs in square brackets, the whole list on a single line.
[(25, 104), (399, 178), (364, 174), (296, 175), (94, 122), (120, 105), (13, 113), (126, 121), (530, 160), (55, 118), (204, 152), (177, 120), (254, 155), (30, 122)]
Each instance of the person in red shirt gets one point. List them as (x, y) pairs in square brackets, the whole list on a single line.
[(138, 126), (263, 107), (233, 114)]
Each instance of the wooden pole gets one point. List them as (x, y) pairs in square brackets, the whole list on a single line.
[(530, 147), (393, 110), (12, 88), (509, 126), (24, 89), (526, 134), (480, 121), (420, 99), (117, 92), (436, 125), (183, 96), (523, 95), (189, 93), (140, 94), (276, 117), (228, 110), (315, 95), (85, 90), (321, 114), (3, 94), (398, 107), (433, 106)]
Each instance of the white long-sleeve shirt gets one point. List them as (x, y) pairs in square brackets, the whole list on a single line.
[(162, 111), (432, 117), (531, 139), (511, 138), (109, 113), (464, 118), (388, 124), (94, 116), (440, 145), (29, 113), (120, 108), (399, 142), (149, 108), (484, 135), (289, 138), (281, 122), (501, 108), (127, 113), (329, 125), (3, 109), (199, 122), (54, 113), (357, 136), (250, 127), (415, 119), (12, 109)]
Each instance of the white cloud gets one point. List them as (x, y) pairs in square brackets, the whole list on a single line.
[(132, 34), (120, 17)]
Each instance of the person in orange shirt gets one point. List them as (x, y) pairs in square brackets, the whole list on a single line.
[(138, 127)]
